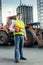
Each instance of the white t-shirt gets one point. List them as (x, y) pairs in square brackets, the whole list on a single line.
[(11, 26)]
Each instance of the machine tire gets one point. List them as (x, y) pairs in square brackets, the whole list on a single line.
[(3, 38), (31, 39)]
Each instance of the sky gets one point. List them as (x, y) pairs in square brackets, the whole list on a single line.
[(9, 8)]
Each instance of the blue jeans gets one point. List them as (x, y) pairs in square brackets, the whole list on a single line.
[(19, 42)]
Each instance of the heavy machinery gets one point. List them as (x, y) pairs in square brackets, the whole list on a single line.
[(33, 34)]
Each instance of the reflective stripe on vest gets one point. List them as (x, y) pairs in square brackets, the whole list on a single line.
[(21, 25)]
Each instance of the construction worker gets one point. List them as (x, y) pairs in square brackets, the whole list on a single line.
[(19, 33)]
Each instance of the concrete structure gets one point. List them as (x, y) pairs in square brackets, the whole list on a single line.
[(40, 10), (27, 12), (0, 12)]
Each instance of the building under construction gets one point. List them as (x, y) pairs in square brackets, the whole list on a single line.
[(27, 12)]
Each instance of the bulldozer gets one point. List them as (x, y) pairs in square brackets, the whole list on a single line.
[(33, 34)]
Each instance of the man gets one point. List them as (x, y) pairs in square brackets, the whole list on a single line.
[(19, 32)]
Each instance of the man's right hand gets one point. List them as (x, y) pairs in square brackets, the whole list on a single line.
[(26, 38)]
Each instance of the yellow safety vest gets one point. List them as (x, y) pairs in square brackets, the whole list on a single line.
[(21, 25)]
